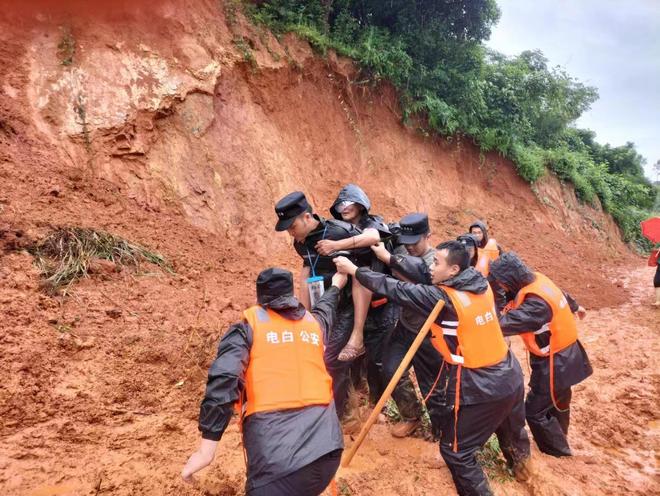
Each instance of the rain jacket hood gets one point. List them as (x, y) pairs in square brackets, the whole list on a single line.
[(510, 270), (350, 192), (481, 225), (469, 280)]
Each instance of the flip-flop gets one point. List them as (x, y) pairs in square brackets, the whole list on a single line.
[(350, 353)]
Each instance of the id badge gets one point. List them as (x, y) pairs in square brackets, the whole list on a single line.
[(316, 289)]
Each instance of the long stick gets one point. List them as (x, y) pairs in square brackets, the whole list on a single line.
[(346, 460)]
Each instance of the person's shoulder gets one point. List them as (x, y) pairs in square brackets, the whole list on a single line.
[(237, 333), (375, 222), (436, 292), (339, 225), (534, 299), (299, 245)]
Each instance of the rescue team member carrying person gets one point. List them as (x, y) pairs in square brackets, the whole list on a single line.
[(308, 229), (543, 315), (271, 365), (484, 382), (412, 267)]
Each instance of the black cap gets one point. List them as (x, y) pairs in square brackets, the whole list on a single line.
[(468, 238), (413, 227), (288, 208), (273, 283)]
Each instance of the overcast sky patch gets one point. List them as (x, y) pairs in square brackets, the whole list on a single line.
[(612, 45)]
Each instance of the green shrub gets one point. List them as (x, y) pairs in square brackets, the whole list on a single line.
[(433, 53), (530, 162)]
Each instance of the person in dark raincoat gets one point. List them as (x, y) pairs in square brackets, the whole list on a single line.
[(414, 266), (471, 243), (296, 216), (490, 397), (374, 316), (479, 230), (290, 451), (548, 402), (487, 248)]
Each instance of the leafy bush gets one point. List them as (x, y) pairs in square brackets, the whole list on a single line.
[(433, 52)]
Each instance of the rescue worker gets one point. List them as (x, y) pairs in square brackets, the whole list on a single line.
[(471, 246), (296, 216), (271, 365), (543, 314), (487, 250), (482, 379), (413, 267)]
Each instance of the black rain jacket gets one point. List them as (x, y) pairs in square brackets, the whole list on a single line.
[(572, 364), (276, 443), (477, 385)]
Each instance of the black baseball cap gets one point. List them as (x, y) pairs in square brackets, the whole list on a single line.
[(413, 227), (468, 238), (274, 283), (288, 208)]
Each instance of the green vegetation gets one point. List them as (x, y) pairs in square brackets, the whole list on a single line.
[(65, 255), (66, 48), (491, 459), (244, 47), (433, 52)]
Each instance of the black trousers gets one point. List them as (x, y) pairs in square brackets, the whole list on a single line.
[(311, 480), (476, 423), (426, 362), (379, 323), (549, 426), (656, 278)]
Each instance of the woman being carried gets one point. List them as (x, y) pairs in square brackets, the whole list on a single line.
[(352, 205)]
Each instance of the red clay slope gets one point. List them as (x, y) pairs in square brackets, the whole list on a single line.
[(163, 131)]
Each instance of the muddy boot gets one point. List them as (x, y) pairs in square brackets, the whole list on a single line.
[(405, 428), (523, 470), (657, 297)]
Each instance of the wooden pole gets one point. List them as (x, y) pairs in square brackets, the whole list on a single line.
[(348, 456)]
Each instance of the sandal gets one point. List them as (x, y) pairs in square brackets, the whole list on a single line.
[(350, 353)]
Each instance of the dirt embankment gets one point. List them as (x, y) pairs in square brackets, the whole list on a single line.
[(177, 125)]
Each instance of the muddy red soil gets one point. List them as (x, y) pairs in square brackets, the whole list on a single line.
[(161, 131)]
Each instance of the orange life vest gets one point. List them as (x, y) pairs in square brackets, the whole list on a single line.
[(479, 336), (486, 255), (562, 327), (480, 339), (286, 368)]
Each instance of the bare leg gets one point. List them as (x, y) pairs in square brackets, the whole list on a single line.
[(361, 301), (304, 288)]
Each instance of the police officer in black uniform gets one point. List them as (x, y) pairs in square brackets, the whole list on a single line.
[(412, 267), (297, 217)]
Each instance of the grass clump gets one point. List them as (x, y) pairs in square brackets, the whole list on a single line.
[(65, 255), (492, 461)]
